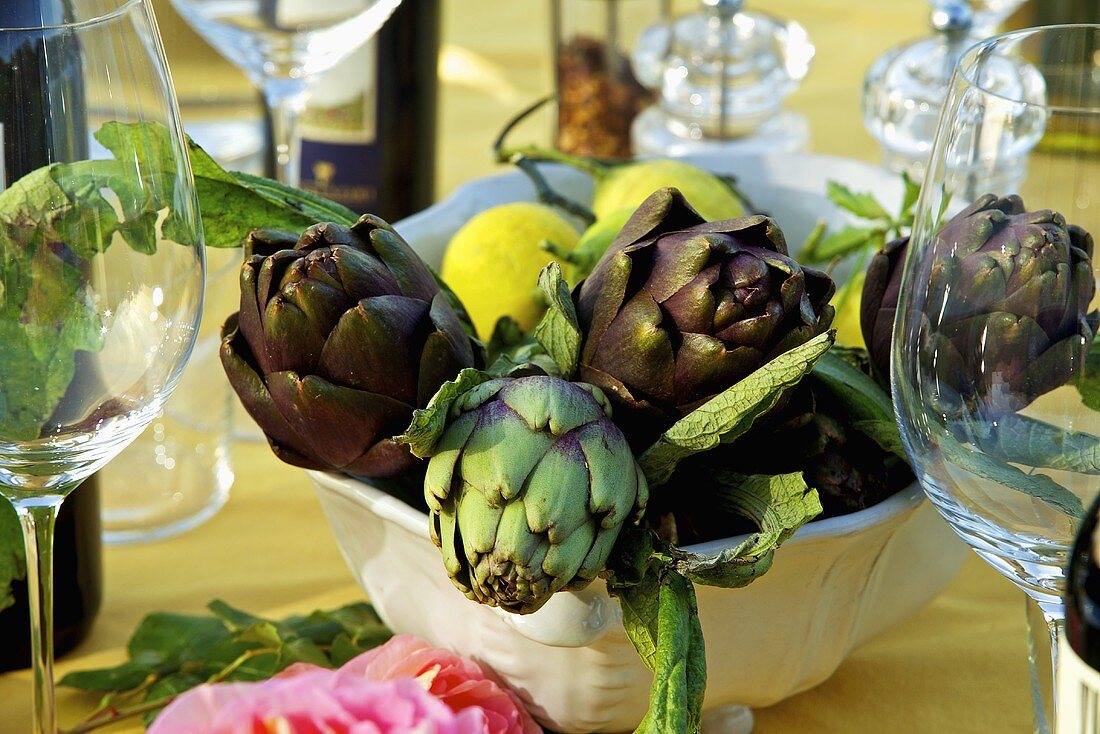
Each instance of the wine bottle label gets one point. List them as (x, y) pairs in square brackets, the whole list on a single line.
[(340, 157), (1078, 710)]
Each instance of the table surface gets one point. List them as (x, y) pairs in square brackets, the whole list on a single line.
[(958, 665)]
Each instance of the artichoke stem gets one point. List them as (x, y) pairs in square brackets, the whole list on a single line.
[(537, 153), (561, 253), (740, 195), (543, 155), (547, 195)]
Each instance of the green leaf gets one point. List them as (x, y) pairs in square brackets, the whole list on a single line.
[(428, 423), (631, 557), (661, 618), (343, 649), (1088, 382), (1030, 442), (357, 619), (258, 667), (779, 505), (909, 200), (885, 433), (47, 317), (813, 241), (1039, 486), (860, 395), (120, 678), (303, 651), (838, 244), (167, 688), (262, 633), (13, 566), (863, 206), (234, 618), (731, 413), (233, 204), (167, 641), (172, 653), (507, 335), (558, 331)]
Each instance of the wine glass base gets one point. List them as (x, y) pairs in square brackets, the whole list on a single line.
[(121, 533), (1036, 567), (733, 719)]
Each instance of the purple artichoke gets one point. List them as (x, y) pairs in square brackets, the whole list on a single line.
[(879, 304), (1007, 318), (679, 309), (337, 341)]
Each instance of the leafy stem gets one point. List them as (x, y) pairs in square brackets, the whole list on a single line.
[(107, 715), (116, 715), (526, 157), (880, 227)]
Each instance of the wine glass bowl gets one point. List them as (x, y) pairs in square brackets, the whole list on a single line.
[(101, 261), (281, 45), (268, 38), (993, 358)]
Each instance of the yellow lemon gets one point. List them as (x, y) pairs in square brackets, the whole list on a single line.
[(493, 262), (846, 321), (631, 184)]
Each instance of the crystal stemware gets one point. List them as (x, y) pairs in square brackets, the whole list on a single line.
[(281, 45), (993, 356), (101, 262)]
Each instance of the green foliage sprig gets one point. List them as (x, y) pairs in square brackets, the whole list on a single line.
[(173, 653)]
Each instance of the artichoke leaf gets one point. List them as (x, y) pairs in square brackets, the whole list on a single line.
[(428, 423), (559, 332), (731, 413), (293, 200), (661, 618), (885, 433), (988, 467), (1031, 442), (838, 244), (778, 504), (507, 336), (862, 205), (1088, 381), (860, 395)]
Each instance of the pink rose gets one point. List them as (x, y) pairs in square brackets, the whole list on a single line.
[(459, 683), (403, 687), (315, 701)]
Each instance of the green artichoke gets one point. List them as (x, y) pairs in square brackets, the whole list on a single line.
[(679, 309), (1007, 318), (337, 341), (528, 489)]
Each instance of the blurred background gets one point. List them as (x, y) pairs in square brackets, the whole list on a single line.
[(496, 58)]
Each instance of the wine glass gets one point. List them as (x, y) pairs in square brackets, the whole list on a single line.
[(281, 45), (101, 262), (993, 341)]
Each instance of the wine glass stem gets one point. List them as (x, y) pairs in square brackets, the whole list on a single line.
[(1045, 620), (285, 100), (38, 517)]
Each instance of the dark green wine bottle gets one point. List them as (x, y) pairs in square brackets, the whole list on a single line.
[(370, 143), (41, 121), (78, 578)]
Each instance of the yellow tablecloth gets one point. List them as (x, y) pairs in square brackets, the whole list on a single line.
[(957, 666)]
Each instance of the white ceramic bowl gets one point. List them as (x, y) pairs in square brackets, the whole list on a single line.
[(835, 584)]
